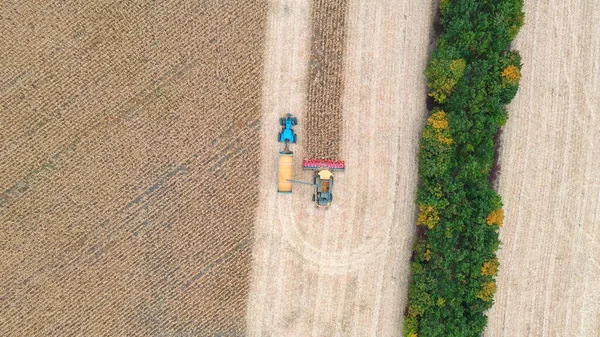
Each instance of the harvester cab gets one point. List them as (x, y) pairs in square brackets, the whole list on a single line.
[(324, 186)]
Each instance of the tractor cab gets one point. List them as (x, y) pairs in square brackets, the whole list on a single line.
[(323, 181), (287, 134)]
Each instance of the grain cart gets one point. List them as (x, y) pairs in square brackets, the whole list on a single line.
[(285, 172)]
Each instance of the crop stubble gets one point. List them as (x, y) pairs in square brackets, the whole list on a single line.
[(129, 135), (325, 81), (550, 258)]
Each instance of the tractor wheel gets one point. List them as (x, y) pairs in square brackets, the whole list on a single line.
[(282, 121), (294, 138), (294, 121), (279, 137), (313, 197)]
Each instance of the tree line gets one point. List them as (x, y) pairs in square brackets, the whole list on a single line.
[(471, 75)]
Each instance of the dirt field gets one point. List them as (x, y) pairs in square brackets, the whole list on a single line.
[(342, 271), (129, 138), (549, 178)]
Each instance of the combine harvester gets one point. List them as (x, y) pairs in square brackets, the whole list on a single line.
[(322, 168), (323, 178)]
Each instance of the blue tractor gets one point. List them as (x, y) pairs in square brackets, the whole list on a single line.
[(287, 134)]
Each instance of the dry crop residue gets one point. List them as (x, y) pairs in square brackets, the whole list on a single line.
[(129, 138), (324, 95)]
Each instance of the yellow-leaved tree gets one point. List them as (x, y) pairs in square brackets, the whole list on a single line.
[(511, 74), (439, 127), (490, 268), (488, 289), (428, 216), (496, 217), (443, 75)]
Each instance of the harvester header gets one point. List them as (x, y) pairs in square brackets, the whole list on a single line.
[(315, 164)]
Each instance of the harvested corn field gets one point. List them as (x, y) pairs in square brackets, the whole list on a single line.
[(548, 282), (129, 137), (342, 271), (138, 170)]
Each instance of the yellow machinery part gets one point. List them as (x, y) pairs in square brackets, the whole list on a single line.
[(325, 174), (285, 171)]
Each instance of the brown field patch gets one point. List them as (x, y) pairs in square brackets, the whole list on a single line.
[(323, 123), (129, 138)]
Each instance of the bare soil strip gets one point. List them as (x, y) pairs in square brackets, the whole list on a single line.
[(548, 283), (343, 271), (129, 135), (323, 123)]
